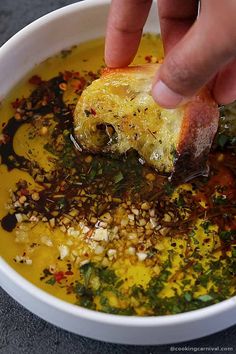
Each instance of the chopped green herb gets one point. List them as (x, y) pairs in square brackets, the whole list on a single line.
[(107, 275), (86, 272), (220, 200), (51, 281), (118, 177), (169, 188), (205, 225), (228, 236), (205, 298), (188, 296)]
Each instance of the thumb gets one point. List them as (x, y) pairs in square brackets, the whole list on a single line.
[(196, 59)]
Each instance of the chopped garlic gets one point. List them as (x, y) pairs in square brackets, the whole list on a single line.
[(124, 222), (52, 222), (22, 236), (46, 240), (153, 222), (115, 229), (135, 211), (84, 262), (167, 217), (141, 256), (85, 229), (131, 217), (131, 251), (28, 261), (19, 217), (100, 235), (99, 250), (72, 232), (142, 222), (34, 218), (132, 236), (64, 251), (145, 206), (23, 259), (111, 253), (18, 259), (152, 212), (63, 229)]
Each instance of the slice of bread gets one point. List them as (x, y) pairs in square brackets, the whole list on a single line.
[(117, 113)]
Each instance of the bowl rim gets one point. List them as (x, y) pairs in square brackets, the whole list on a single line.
[(63, 306), (52, 15), (101, 317)]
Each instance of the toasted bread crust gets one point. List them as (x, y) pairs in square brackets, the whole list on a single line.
[(146, 69), (199, 126), (172, 141)]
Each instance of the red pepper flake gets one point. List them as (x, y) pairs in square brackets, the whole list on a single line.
[(59, 276), (92, 74), (78, 83), (35, 80), (76, 74), (67, 75), (93, 112), (24, 191), (17, 103), (69, 272), (82, 82)]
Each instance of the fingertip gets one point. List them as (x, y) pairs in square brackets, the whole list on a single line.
[(119, 51), (166, 97), (114, 60)]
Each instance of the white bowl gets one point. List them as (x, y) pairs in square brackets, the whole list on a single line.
[(41, 39)]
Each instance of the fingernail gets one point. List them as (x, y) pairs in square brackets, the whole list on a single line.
[(165, 97)]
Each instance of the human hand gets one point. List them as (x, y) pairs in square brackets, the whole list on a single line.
[(199, 50)]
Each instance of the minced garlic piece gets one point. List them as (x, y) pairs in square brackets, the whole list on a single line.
[(46, 240), (64, 251), (141, 256), (100, 235)]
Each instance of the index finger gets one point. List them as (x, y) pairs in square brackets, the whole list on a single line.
[(124, 29), (176, 18)]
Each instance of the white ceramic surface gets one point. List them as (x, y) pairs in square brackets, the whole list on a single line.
[(43, 38)]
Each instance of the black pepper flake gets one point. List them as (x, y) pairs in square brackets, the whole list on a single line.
[(9, 222), (87, 112)]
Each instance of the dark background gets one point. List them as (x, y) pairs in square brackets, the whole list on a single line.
[(22, 332)]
